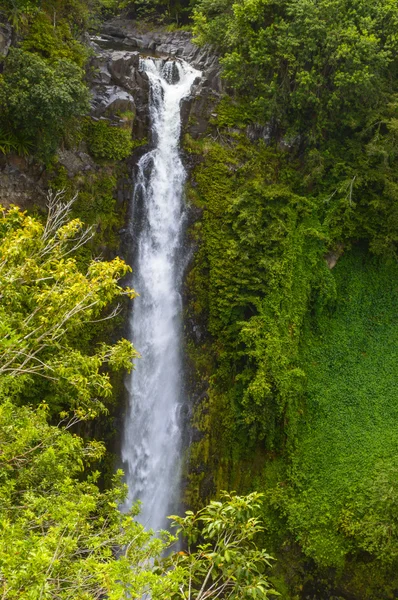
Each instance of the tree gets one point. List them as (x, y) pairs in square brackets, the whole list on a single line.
[(47, 310), (222, 559), (306, 65), (60, 536), (39, 98), (70, 541)]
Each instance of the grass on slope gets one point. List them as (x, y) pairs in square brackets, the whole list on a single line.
[(345, 468)]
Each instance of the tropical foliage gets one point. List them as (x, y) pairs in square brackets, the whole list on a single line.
[(39, 98), (68, 537), (308, 66), (46, 307), (222, 558), (105, 141), (60, 536), (294, 279)]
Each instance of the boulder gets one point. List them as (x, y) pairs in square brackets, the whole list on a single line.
[(121, 66), (75, 162), (110, 101)]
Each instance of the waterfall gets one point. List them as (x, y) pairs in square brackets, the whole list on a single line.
[(151, 444)]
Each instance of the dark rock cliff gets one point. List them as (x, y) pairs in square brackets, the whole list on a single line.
[(118, 87), (127, 37)]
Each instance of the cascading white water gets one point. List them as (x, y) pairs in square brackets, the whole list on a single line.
[(151, 443)]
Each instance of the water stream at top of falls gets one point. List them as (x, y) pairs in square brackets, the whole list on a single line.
[(152, 437)]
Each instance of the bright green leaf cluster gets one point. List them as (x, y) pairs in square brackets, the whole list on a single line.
[(222, 558), (46, 304), (60, 536)]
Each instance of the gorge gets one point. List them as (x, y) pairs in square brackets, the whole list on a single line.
[(241, 157)]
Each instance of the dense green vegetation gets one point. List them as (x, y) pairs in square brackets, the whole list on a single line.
[(105, 141), (47, 305), (294, 284), (308, 66), (300, 354), (61, 536), (42, 90), (350, 353), (170, 12)]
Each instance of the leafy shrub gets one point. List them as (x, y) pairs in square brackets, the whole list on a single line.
[(38, 98), (53, 42), (45, 297), (107, 141)]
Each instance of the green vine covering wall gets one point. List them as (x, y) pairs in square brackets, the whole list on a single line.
[(299, 358)]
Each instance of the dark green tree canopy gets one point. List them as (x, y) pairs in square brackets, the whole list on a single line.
[(307, 65), (38, 98)]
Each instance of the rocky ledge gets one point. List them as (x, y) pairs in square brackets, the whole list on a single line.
[(173, 44), (118, 85)]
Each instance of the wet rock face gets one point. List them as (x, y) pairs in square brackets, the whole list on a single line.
[(75, 162), (5, 39), (118, 86), (177, 43), (123, 70), (112, 101), (21, 183)]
